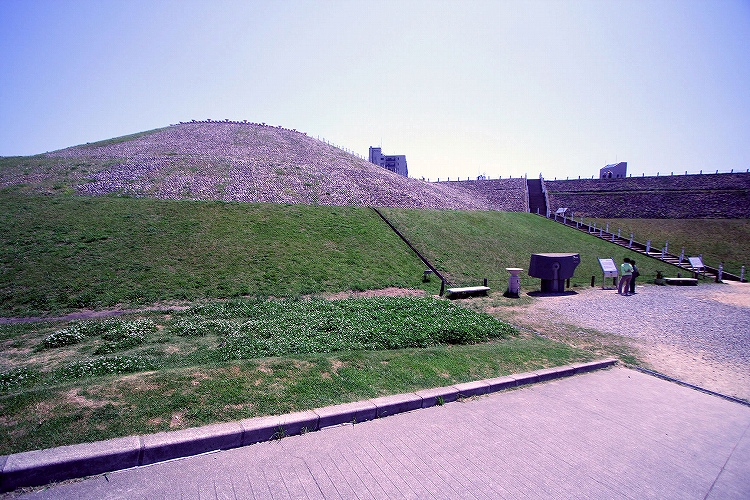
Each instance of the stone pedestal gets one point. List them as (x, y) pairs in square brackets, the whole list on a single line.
[(514, 281)]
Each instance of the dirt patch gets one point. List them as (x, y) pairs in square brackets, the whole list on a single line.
[(302, 365), (698, 335), (85, 314), (385, 292), (736, 294), (197, 377), (73, 396), (177, 420), (264, 368)]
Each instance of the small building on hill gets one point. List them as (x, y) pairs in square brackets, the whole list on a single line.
[(614, 171), (394, 163)]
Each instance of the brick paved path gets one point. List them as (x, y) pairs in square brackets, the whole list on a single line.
[(610, 434)]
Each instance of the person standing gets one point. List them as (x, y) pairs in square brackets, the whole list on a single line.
[(633, 276), (626, 273)]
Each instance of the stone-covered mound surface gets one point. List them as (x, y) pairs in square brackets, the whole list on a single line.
[(237, 161)]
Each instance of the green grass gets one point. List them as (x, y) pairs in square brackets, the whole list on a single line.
[(139, 403), (214, 332), (63, 253), (52, 175), (59, 254), (719, 240), (234, 353), (469, 246), (170, 369)]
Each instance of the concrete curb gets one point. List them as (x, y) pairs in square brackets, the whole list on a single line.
[(39, 467)]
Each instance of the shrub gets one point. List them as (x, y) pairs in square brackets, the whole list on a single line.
[(17, 377), (77, 332), (200, 328), (66, 336), (295, 327), (120, 330), (104, 366), (122, 334)]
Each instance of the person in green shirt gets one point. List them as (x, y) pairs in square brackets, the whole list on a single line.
[(626, 274)]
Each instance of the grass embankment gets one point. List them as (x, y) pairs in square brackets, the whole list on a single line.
[(470, 246), (719, 240), (64, 383), (59, 254)]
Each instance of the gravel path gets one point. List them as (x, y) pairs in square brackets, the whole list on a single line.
[(698, 334)]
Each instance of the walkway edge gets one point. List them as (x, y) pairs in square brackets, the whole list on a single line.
[(39, 467)]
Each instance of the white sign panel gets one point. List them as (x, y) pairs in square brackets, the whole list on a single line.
[(608, 267), (696, 262)]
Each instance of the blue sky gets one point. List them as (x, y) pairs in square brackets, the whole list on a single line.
[(461, 88)]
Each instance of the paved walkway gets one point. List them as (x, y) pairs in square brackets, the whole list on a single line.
[(616, 433)]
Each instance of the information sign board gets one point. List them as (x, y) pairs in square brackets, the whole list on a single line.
[(696, 262), (609, 268)]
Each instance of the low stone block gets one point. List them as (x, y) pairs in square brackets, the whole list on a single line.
[(469, 389), (501, 383), (187, 442), (299, 422), (359, 411), (594, 365), (398, 403), (438, 395), (555, 372), (38, 467), (260, 429), (469, 291), (681, 281), (526, 378)]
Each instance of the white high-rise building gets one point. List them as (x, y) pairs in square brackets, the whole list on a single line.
[(394, 163)]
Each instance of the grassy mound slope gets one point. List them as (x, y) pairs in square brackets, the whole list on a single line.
[(470, 246), (67, 382), (719, 240), (65, 253), (60, 254)]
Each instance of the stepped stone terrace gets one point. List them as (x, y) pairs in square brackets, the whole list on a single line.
[(254, 162), (245, 162), (666, 197)]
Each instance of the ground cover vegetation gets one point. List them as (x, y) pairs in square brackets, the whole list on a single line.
[(69, 382), (718, 240), (469, 246)]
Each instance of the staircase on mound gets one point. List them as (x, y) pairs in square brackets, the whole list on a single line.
[(674, 260), (537, 201)]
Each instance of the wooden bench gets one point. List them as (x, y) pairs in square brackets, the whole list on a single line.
[(467, 291), (681, 281)]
